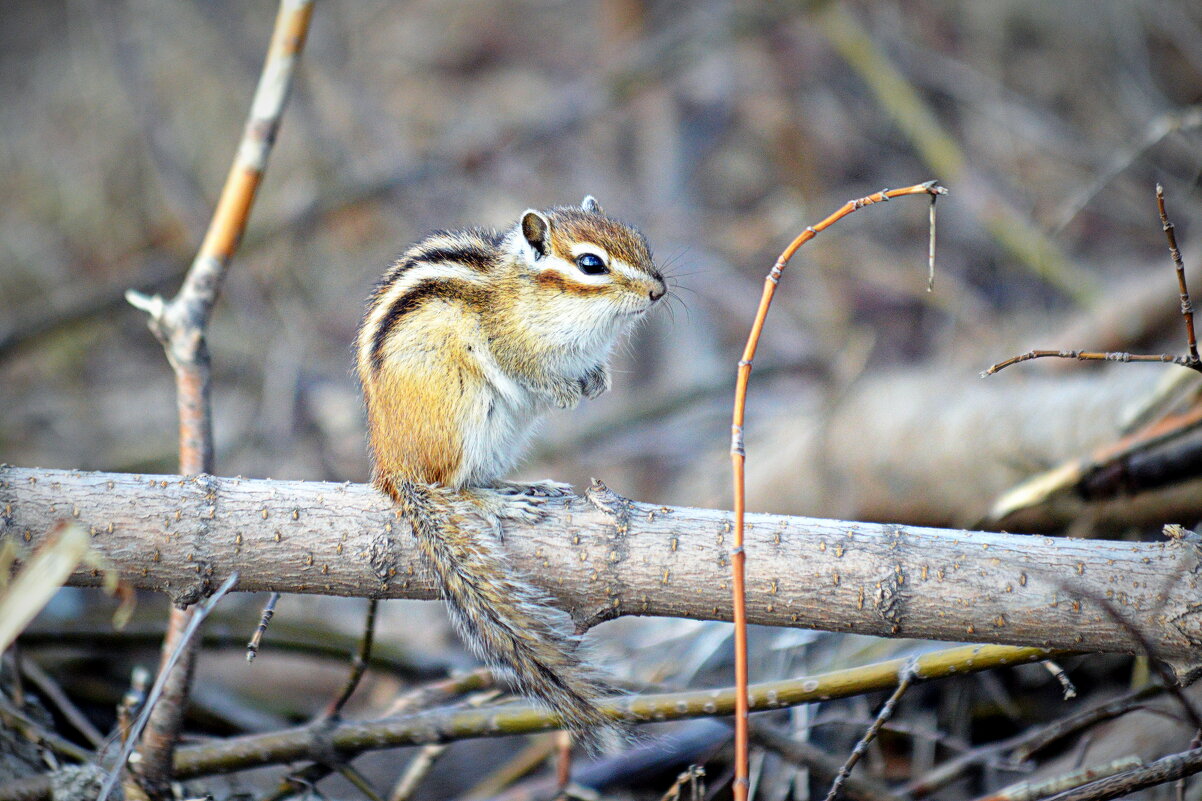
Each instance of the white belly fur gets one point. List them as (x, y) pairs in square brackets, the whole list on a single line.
[(504, 418)]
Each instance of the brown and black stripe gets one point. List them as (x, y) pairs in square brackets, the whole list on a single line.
[(475, 249)]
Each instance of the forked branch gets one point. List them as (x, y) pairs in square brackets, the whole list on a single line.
[(1190, 359)]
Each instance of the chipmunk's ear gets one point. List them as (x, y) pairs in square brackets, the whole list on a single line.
[(537, 229), (591, 205)]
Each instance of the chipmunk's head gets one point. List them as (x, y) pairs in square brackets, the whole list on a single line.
[(578, 253)]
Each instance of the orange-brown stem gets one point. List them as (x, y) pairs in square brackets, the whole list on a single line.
[(738, 458)]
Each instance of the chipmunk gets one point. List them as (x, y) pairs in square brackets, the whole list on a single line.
[(467, 341)]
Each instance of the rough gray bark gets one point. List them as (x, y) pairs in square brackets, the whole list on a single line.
[(602, 556)]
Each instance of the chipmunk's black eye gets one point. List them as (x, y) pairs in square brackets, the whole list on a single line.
[(591, 264)]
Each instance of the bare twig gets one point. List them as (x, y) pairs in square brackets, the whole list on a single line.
[(1088, 356), (21, 723), (1013, 230), (738, 453), (821, 765), (181, 326), (256, 639), (905, 677), (1066, 683), (1028, 791), (693, 779), (520, 764), (1037, 740), (156, 691), (54, 693), (1180, 783), (419, 767), (1165, 769), (1187, 308), (1184, 119), (1190, 359), (417, 770), (358, 663)]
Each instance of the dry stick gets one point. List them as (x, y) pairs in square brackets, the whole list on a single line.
[(359, 782), (358, 664), (1026, 791), (54, 693), (691, 777), (1190, 359), (181, 325), (738, 454), (1023, 746), (1041, 738), (563, 761), (17, 721), (417, 770), (820, 765), (905, 677), (1066, 684), (1187, 308), (421, 765), (256, 639), (1165, 769), (520, 764), (310, 775), (160, 684)]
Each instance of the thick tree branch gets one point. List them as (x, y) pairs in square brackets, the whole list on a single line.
[(602, 556)]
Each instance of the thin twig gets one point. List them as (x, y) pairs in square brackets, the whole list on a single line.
[(820, 765), (256, 639), (156, 691), (563, 761), (1089, 356), (54, 693), (905, 678), (1022, 746), (417, 770), (739, 458), (1184, 119), (358, 664), (1190, 359), (359, 782), (1025, 791), (1037, 740), (691, 777), (1187, 308), (30, 729), (1165, 769), (419, 767), (1066, 684), (520, 764)]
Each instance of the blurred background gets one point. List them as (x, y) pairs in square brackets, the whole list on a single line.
[(722, 130)]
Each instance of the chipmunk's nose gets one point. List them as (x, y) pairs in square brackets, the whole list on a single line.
[(658, 291)]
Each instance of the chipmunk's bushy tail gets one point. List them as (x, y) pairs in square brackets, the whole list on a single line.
[(504, 620)]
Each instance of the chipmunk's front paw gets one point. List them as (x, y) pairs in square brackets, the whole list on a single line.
[(596, 382)]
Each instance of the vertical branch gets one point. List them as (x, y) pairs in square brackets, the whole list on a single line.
[(738, 457), (1187, 307), (181, 324)]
